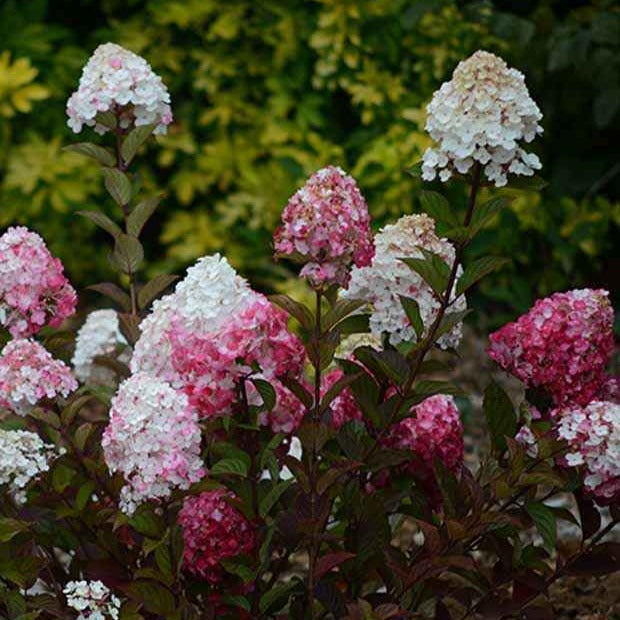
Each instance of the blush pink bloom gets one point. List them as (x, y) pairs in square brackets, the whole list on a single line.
[(343, 408), (562, 344), (326, 225), (29, 373), (213, 531), (255, 342), (433, 432), (33, 289)]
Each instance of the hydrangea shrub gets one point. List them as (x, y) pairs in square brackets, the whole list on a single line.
[(213, 452)]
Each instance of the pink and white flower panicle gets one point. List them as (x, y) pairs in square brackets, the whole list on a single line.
[(481, 115), (93, 600), (29, 373), (153, 439), (117, 80), (326, 225), (213, 530), (34, 291), (562, 344), (593, 436)]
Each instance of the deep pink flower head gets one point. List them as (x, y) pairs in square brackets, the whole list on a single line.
[(593, 436), (326, 224), (213, 531), (435, 432), (28, 374), (33, 289), (255, 342), (562, 344)]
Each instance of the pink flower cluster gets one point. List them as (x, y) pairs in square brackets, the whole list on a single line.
[(435, 431), (344, 407), (255, 342), (33, 289), (593, 436), (562, 344), (326, 224), (213, 530), (153, 439), (28, 374)]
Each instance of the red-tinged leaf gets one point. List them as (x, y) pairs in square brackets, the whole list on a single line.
[(330, 561), (589, 515), (603, 559), (432, 538), (538, 612), (114, 292), (442, 612)]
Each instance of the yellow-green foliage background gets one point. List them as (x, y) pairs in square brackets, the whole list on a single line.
[(267, 91)]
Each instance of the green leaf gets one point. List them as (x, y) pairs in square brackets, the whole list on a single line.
[(412, 310), (296, 309), (118, 186), (500, 415), (485, 212), (478, 270), (449, 321), (233, 466), (438, 208), (532, 184), (155, 597), (267, 393), (62, 475), (355, 324), (128, 254), (415, 171), (154, 288), (114, 292), (432, 269), (342, 309), (236, 600), (141, 214), (276, 598), (10, 528), (103, 221), (544, 519), (84, 494), (270, 499), (134, 140), (82, 434), (241, 570), (147, 523), (94, 151), (107, 119)]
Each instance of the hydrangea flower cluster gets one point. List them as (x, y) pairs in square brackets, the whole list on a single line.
[(153, 439), (593, 436), (387, 277), (29, 373), (117, 80), (562, 344), (92, 599), (326, 224), (343, 408), (33, 288), (481, 115), (203, 302), (23, 456), (209, 367), (213, 530), (434, 432), (99, 336)]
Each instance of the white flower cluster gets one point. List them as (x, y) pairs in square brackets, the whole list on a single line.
[(481, 115), (115, 79), (99, 336), (382, 282), (593, 435), (23, 456), (153, 439), (93, 600), (209, 296)]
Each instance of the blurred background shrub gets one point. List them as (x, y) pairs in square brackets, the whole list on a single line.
[(265, 92)]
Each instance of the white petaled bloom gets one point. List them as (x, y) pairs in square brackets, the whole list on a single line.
[(387, 278), (23, 456), (206, 299), (99, 336), (153, 439), (93, 600), (117, 80), (29, 373), (593, 436), (482, 115)]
